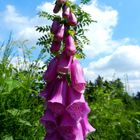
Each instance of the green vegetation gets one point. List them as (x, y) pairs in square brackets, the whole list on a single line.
[(114, 113)]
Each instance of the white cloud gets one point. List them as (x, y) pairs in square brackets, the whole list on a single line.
[(23, 27), (107, 57), (100, 33), (124, 61)]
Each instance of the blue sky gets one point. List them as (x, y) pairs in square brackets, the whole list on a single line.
[(129, 17), (115, 45)]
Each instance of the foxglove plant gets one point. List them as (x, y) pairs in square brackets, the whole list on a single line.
[(66, 111)]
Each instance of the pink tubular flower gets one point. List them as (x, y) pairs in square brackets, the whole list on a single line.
[(55, 47), (66, 129), (87, 128), (66, 11), (77, 107), (55, 26), (72, 20), (77, 77), (49, 121), (58, 99), (51, 73), (64, 63), (60, 33), (69, 45), (46, 93)]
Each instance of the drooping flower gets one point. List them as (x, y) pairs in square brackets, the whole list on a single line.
[(46, 93), (66, 128), (55, 47), (77, 76), (77, 106), (49, 121), (87, 128), (58, 99), (72, 20), (69, 45), (64, 63), (51, 72)]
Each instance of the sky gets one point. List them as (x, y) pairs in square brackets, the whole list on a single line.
[(114, 40)]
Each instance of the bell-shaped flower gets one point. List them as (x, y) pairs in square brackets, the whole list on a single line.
[(77, 107), (87, 128), (58, 99), (58, 36), (55, 47), (69, 45), (66, 128), (70, 129), (77, 77), (55, 26), (72, 20), (51, 72), (64, 63), (49, 121), (46, 93), (66, 12)]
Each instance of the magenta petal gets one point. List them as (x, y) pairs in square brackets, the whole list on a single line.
[(58, 99), (48, 120), (71, 132), (47, 90), (77, 107), (55, 47), (72, 20), (55, 26), (53, 136), (66, 11), (70, 45), (60, 33), (51, 73), (64, 63), (87, 128), (77, 76), (79, 134), (67, 120), (67, 132)]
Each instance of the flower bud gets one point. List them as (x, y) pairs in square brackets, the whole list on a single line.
[(58, 36), (51, 73), (77, 77), (55, 47), (64, 63), (66, 11), (55, 26), (72, 20), (70, 45)]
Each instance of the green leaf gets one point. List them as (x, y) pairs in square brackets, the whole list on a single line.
[(16, 112), (8, 138), (12, 84), (24, 122)]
